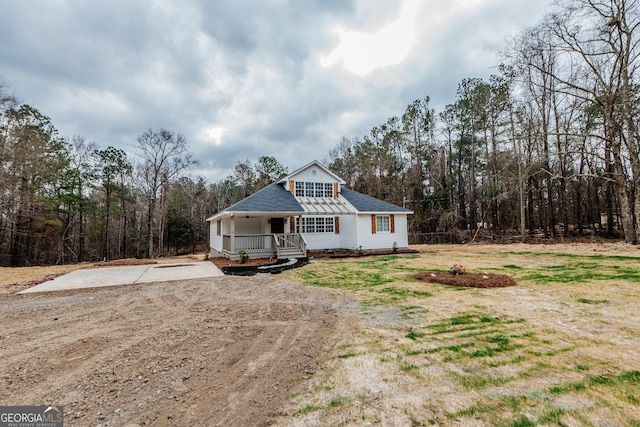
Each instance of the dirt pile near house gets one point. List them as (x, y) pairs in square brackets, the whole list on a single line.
[(221, 262), (467, 280)]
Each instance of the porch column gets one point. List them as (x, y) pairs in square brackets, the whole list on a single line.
[(232, 234)]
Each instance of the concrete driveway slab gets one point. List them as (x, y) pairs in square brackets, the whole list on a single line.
[(188, 270), (118, 276)]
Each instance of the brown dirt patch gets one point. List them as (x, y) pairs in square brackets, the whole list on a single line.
[(467, 280), (251, 262), (220, 351), (124, 262), (16, 279), (348, 253)]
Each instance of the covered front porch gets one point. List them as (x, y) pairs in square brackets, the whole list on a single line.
[(258, 235), (271, 245)]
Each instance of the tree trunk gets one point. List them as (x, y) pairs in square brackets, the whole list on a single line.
[(152, 206), (107, 220), (626, 216)]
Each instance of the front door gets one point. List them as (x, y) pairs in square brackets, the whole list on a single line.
[(277, 225)]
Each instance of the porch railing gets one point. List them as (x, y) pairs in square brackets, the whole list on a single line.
[(263, 244), (290, 241), (249, 242)]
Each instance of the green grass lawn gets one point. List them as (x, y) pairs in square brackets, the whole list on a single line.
[(560, 348)]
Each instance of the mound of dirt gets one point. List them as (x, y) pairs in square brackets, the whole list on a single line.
[(273, 268), (467, 280), (348, 253), (222, 262)]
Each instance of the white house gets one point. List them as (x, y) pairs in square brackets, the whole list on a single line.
[(310, 209)]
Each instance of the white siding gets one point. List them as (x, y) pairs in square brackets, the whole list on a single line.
[(308, 176), (348, 232), (382, 239), (322, 240), (215, 240), (402, 231), (355, 231), (318, 241)]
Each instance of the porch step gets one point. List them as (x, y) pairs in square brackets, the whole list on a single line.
[(290, 253)]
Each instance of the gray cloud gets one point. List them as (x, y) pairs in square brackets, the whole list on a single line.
[(240, 79)]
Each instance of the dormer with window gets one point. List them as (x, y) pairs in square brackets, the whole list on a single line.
[(313, 181), (313, 189), (317, 190)]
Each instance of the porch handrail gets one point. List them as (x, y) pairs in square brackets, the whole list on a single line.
[(290, 241), (264, 243), (249, 242)]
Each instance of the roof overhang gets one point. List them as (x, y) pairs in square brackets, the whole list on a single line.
[(251, 214), (385, 213)]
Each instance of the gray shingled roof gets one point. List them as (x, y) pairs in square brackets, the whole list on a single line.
[(275, 198), (364, 203), (272, 198)]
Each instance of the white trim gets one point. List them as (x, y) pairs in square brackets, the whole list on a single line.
[(388, 223), (242, 214), (307, 166)]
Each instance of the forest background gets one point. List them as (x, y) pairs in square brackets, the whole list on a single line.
[(548, 145)]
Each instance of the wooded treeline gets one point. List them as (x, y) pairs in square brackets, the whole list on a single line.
[(65, 201), (549, 144)]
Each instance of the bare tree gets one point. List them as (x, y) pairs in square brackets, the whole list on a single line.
[(74, 198), (113, 168), (599, 41), (164, 155)]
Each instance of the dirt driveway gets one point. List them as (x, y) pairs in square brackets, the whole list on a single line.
[(220, 351)]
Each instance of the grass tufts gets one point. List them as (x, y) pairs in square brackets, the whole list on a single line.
[(347, 355), (523, 421), (413, 335), (593, 301)]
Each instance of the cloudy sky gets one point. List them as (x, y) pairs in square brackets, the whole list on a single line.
[(242, 79)]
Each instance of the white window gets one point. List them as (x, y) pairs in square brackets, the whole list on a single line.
[(308, 189), (314, 189), (383, 223), (328, 189), (329, 224), (308, 225), (318, 224)]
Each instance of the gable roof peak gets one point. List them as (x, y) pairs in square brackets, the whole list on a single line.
[(312, 164)]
